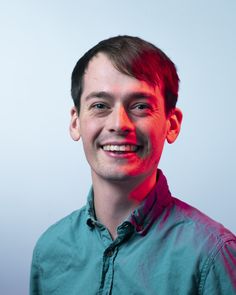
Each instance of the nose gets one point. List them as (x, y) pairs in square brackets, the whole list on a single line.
[(119, 120)]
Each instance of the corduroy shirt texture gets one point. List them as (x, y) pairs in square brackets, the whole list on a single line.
[(165, 247)]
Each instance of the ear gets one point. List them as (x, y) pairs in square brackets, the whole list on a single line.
[(174, 121), (74, 124)]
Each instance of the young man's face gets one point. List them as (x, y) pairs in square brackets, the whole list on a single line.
[(122, 123)]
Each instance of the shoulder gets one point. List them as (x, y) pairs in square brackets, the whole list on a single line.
[(213, 244), (204, 237), (200, 223), (64, 229)]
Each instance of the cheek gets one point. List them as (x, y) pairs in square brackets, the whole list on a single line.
[(154, 131), (89, 130), (86, 124), (156, 139)]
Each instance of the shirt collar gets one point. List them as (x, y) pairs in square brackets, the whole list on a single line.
[(146, 213), (90, 211), (152, 206)]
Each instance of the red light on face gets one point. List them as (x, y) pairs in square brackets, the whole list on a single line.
[(122, 123)]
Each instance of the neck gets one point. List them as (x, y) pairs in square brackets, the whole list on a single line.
[(115, 200)]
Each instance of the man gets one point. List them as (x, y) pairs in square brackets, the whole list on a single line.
[(132, 237)]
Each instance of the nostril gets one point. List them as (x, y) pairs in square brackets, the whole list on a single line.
[(120, 131)]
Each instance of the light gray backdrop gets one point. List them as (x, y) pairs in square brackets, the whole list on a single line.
[(44, 175)]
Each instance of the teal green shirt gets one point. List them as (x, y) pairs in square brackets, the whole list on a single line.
[(165, 247)]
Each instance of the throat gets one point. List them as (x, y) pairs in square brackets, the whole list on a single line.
[(115, 201)]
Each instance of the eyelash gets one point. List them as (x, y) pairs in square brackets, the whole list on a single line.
[(141, 106)]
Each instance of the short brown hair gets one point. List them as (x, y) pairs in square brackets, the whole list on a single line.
[(135, 57)]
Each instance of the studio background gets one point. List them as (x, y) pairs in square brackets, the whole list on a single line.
[(44, 175)]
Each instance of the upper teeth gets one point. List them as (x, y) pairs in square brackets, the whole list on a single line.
[(123, 148)]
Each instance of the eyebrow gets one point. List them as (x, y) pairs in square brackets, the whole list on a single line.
[(132, 95), (142, 94), (99, 94)]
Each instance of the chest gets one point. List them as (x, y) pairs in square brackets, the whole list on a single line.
[(140, 265)]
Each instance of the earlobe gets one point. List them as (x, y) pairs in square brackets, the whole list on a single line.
[(74, 125), (174, 125)]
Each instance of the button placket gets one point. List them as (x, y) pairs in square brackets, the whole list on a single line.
[(109, 256)]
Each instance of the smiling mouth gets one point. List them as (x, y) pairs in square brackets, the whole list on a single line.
[(125, 148)]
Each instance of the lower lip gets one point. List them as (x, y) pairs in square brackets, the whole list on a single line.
[(120, 155)]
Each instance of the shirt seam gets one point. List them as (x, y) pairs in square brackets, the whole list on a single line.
[(223, 240)]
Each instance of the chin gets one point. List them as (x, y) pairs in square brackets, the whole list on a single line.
[(118, 175)]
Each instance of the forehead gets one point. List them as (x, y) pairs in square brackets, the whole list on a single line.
[(101, 75)]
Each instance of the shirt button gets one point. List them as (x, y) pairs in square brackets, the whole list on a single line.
[(109, 253)]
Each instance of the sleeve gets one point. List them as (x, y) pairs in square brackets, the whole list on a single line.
[(35, 276), (220, 277)]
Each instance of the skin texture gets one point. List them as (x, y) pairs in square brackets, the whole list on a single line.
[(117, 109)]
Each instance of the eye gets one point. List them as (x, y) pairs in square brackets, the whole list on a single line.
[(100, 106), (141, 108)]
